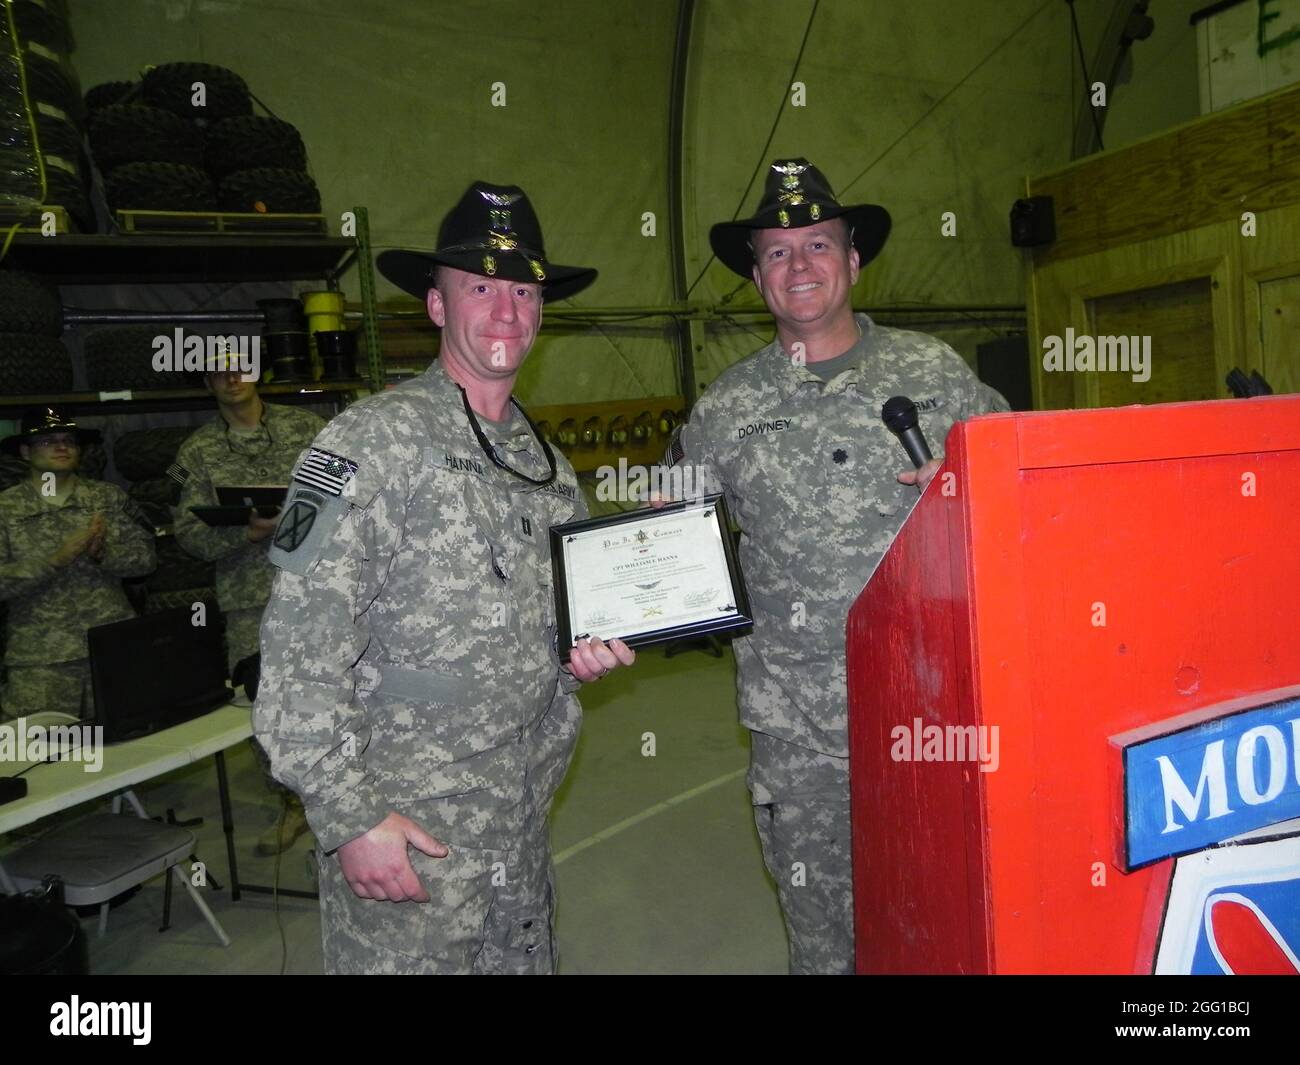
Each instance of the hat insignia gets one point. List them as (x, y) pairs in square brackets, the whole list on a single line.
[(536, 267), (502, 239), (793, 194), (489, 266), (500, 199), (815, 211), (784, 216), (789, 173)]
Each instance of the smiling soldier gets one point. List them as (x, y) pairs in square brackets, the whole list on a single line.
[(793, 434), (411, 690)]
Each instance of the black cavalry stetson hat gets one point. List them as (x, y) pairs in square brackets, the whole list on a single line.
[(492, 231), (797, 194), (37, 421)]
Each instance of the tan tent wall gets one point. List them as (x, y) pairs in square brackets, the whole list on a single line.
[(925, 107)]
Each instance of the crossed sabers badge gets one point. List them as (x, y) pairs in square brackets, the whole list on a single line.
[(502, 237)]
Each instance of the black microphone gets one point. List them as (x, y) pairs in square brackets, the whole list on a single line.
[(899, 414)]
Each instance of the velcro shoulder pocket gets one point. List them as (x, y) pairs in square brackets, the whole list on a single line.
[(308, 524)]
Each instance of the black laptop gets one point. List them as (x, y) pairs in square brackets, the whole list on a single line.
[(152, 672)]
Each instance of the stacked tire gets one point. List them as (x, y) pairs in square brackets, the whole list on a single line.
[(201, 93), (260, 164), (110, 93), (44, 23), (33, 360), (150, 157), (186, 139), (120, 359), (42, 154)]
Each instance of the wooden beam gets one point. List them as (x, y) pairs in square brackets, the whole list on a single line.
[(1211, 170)]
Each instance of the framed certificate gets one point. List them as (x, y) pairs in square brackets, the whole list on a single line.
[(646, 576)]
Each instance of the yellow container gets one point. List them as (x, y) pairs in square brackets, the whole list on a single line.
[(323, 303), (324, 323)]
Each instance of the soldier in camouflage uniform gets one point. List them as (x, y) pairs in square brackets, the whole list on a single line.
[(411, 689), (250, 443), (65, 545), (793, 434)]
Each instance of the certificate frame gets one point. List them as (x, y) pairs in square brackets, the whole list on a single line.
[(731, 616)]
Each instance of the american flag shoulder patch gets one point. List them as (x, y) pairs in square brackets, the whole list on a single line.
[(325, 471), (178, 473)]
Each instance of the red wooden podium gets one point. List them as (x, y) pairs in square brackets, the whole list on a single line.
[(1117, 593)]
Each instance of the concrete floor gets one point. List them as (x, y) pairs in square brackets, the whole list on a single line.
[(658, 862)]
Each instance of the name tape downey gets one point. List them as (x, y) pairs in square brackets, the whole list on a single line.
[(770, 425), (1198, 786)]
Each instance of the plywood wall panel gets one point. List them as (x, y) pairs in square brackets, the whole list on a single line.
[(1246, 158)]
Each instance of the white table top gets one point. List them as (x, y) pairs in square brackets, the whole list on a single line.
[(59, 785)]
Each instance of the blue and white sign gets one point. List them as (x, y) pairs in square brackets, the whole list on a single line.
[(1234, 910), (1190, 789)]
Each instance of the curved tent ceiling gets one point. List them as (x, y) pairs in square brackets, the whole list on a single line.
[(924, 107)]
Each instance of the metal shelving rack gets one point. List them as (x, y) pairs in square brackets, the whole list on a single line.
[(91, 259)]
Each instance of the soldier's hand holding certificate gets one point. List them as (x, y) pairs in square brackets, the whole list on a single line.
[(648, 576)]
